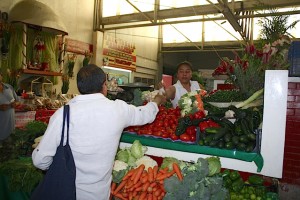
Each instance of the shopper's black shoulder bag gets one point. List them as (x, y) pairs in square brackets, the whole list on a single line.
[(59, 180)]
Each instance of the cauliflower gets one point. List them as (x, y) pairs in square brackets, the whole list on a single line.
[(147, 161), (119, 165)]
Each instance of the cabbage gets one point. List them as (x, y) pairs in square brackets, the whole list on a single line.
[(123, 155), (137, 150), (214, 165)]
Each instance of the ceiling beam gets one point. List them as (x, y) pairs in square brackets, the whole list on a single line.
[(200, 19), (196, 10)]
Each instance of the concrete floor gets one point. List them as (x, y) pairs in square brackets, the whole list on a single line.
[(288, 192)]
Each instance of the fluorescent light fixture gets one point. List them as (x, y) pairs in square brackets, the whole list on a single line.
[(117, 69)]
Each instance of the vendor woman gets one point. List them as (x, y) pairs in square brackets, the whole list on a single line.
[(8, 99), (183, 84)]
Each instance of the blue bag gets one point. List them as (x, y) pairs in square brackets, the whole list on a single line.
[(59, 181)]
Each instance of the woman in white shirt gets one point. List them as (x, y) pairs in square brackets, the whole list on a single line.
[(96, 125), (183, 84)]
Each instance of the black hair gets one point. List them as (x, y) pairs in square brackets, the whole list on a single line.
[(90, 79), (184, 63)]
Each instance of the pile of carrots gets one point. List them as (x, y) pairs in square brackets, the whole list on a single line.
[(144, 184)]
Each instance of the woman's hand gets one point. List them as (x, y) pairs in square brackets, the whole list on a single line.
[(160, 99)]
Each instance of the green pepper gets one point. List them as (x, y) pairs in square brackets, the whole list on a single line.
[(227, 182), (234, 175), (237, 185), (226, 172), (255, 180)]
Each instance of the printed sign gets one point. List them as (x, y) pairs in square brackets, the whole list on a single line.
[(119, 53)]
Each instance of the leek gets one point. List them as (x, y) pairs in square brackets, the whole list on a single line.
[(251, 98)]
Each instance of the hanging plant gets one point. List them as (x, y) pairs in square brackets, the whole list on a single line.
[(65, 84), (71, 64), (87, 58)]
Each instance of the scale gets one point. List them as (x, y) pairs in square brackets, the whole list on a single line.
[(128, 94)]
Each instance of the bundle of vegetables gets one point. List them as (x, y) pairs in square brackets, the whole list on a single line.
[(253, 188), (21, 174), (201, 180), (224, 96), (144, 183), (191, 102), (20, 142)]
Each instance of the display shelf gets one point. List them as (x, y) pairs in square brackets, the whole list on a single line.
[(196, 150), (41, 73)]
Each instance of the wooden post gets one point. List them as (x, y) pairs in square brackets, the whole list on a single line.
[(24, 42), (62, 54)]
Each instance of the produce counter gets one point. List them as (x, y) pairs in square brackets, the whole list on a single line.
[(272, 140)]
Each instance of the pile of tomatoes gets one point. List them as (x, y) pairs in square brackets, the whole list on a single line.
[(165, 124)]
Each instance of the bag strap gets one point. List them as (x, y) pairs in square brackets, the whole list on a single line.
[(66, 117)]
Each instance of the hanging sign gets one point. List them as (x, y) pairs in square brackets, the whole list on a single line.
[(119, 53), (75, 46)]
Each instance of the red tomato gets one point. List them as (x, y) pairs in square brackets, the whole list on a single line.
[(173, 126), (160, 123), (166, 123), (165, 135), (185, 137), (212, 123), (203, 125), (193, 138), (191, 130), (199, 114), (174, 137), (157, 133)]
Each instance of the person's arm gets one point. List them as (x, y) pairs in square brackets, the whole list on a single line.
[(170, 92), (43, 154)]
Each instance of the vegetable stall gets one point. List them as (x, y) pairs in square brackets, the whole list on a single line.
[(271, 140)]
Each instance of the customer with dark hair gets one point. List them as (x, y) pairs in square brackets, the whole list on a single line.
[(8, 99), (183, 84), (96, 125)]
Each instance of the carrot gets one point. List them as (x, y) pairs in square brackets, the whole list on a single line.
[(120, 186), (153, 184), (138, 189), (129, 184), (134, 194), (112, 188), (146, 185), (138, 174), (177, 171), (157, 192), (149, 197), (129, 174), (150, 174), (155, 169), (130, 195), (120, 196), (145, 179), (138, 184), (125, 194), (165, 170), (154, 197), (162, 176), (143, 196)]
